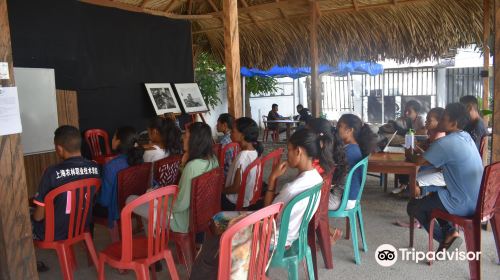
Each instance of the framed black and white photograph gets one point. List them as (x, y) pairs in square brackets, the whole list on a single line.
[(163, 98), (191, 98)]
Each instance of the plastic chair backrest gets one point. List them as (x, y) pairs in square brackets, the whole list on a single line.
[(231, 146), (134, 180), (257, 186), (489, 192), (312, 195), (275, 156), (262, 222), (217, 147), (166, 170), (80, 195), (363, 164), (206, 192), (157, 228), (325, 196), (92, 138)]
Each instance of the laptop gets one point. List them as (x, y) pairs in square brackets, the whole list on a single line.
[(393, 150)]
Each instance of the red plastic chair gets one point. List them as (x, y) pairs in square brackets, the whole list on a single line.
[(217, 147), (206, 192), (487, 209), (319, 228), (275, 135), (80, 193), (134, 180), (93, 139), (257, 187), (166, 171), (139, 253), (274, 156), (262, 222), (231, 146)]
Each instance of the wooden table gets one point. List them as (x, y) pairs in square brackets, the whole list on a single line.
[(396, 164), (288, 124)]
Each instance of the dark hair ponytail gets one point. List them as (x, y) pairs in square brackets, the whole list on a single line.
[(129, 146), (250, 131), (311, 143), (332, 147), (363, 134), (169, 133), (200, 141)]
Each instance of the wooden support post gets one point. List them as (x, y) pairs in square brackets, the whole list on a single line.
[(315, 82), (17, 255), (232, 57), (486, 49), (496, 110)]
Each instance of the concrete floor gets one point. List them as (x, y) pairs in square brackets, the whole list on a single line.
[(380, 210)]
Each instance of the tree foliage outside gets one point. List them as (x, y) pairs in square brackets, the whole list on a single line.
[(209, 75)]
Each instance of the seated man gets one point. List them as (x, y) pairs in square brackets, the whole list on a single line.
[(273, 116), (457, 156), (67, 141), (304, 114), (225, 125), (475, 127)]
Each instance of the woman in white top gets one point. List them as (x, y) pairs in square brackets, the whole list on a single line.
[(303, 147), (245, 132), (165, 138)]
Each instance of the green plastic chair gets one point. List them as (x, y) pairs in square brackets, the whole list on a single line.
[(291, 257), (356, 211)]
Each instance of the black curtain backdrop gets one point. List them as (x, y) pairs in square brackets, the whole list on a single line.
[(105, 54)]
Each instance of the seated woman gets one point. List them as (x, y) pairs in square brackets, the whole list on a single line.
[(453, 153), (303, 147), (411, 120), (165, 138), (124, 142), (246, 133), (199, 158), (359, 141)]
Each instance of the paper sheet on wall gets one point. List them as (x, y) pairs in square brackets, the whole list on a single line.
[(10, 116)]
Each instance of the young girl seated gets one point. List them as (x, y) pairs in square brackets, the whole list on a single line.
[(124, 142), (303, 147), (199, 159), (359, 142), (165, 138), (245, 132)]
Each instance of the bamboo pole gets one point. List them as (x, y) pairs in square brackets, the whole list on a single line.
[(232, 58)]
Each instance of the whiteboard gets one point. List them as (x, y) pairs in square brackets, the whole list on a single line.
[(37, 101)]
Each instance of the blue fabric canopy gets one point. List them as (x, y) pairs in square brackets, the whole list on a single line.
[(353, 67)]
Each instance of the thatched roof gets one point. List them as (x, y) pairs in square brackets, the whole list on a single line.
[(277, 32)]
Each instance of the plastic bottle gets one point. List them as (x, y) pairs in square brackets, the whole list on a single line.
[(410, 139)]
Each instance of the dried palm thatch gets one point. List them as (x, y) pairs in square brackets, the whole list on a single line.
[(277, 32)]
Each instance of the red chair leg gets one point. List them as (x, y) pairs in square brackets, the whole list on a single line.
[(142, 272), (171, 266), (63, 255), (184, 249), (91, 250), (347, 228), (323, 234), (72, 259), (472, 234), (311, 240), (495, 228)]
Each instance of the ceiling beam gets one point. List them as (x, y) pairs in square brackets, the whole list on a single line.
[(281, 11), (190, 6), (130, 8), (324, 11), (167, 9), (144, 3), (245, 5), (212, 4)]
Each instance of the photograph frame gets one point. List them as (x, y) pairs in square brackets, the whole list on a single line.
[(193, 104), (165, 105)]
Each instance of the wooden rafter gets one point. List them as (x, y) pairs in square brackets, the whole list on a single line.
[(355, 5), (306, 14), (167, 9), (245, 5), (144, 3), (281, 11), (130, 8), (190, 6), (212, 4)]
